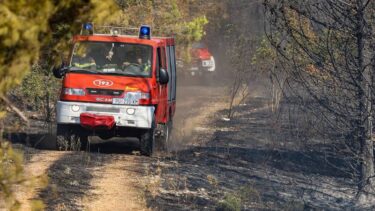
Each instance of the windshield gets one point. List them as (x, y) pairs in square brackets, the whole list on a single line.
[(112, 58), (198, 45)]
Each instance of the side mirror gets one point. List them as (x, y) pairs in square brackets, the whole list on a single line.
[(163, 76), (59, 72)]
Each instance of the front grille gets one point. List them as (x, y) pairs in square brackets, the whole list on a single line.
[(108, 92), (103, 109)]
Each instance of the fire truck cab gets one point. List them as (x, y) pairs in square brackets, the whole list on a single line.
[(117, 85)]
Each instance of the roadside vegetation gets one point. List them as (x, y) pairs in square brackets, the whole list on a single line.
[(288, 119), (32, 35), (35, 37), (325, 52)]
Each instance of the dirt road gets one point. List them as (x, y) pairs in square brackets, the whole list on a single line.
[(250, 162), (112, 176)]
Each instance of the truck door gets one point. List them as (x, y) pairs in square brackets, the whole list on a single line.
[(174, 73), (171, 61), (163, 89)]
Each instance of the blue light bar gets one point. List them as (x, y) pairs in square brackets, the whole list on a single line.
[(145, 32), (88, 28)]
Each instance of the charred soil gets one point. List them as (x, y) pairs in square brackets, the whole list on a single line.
[(249, 162)]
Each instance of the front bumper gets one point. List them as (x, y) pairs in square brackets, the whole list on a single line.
[(207, 65), (69, 113)]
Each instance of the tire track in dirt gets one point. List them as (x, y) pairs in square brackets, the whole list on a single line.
[(124, 181), (117, 185), (119, 180), (37, 165)]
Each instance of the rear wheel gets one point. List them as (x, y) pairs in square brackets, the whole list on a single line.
[(163, 140)]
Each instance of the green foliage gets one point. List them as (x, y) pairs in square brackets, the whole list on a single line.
[(27, 27), (167, 18), (32, 87), (265, 57), (11, 170), (12, 174), (36, 32), (265, 53), (194, 30), (231, 202), (38, 90), (35, 35), (19, 44), (235, 201)]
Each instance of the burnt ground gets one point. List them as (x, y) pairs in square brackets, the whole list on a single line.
[(255, 161), (252, 163), (111, 175)]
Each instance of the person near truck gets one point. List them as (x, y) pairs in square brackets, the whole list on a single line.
[(84, 61)]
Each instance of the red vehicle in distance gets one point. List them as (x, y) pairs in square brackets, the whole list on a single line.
[(117, 85), (202, 61)]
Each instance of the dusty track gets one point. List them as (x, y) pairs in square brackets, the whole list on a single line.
[(112, 176), (37, 165), (117, 185), (251, 161)]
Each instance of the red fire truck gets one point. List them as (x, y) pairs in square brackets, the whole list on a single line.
[(202, 62), (117, 85)]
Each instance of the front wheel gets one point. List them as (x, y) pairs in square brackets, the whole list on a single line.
[(147, 140)]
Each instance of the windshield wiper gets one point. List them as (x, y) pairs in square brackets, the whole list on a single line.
[(121, 73), (79, 70)]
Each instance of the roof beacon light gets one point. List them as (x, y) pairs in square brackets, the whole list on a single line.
[(88, 28), (145, 32)]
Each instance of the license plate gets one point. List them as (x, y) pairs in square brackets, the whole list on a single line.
[(118, 101), (122, 101), (131, 101), (206, 63)]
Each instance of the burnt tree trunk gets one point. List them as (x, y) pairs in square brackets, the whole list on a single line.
[(364, 77)]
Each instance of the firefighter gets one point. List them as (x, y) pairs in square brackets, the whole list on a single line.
[(143, 67), (84, 61)]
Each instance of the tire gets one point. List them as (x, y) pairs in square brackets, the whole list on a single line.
[(164, 140), (147, 141)]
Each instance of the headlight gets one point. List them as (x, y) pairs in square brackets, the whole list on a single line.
[(72, 91), (75, 108), (130, 111)]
